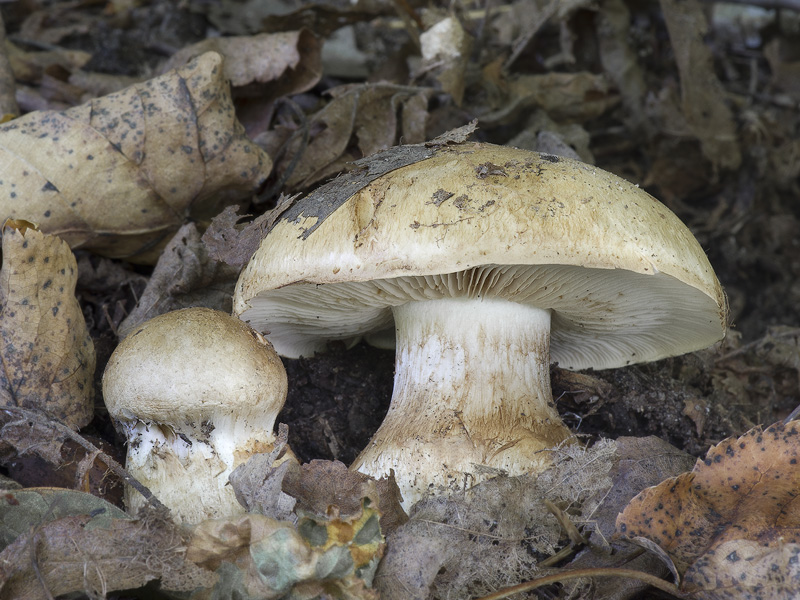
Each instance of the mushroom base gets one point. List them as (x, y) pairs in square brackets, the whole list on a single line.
[(189, 476), (471, 398)]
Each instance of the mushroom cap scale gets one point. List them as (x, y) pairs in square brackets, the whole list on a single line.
[(624, 278)]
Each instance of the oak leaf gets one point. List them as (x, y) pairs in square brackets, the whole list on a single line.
[(48, 357), (731, 526), (120, 174)]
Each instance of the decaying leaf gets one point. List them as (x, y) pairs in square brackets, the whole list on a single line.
[(119, 174), (25, 509), (576, 97), (446, 51), (369, 117), (48, 355), (234, 244), (184, 276), (702, 95), (731, 526), (289, 61), (257, 483), (321, 484), (259, 557), (97, 553)]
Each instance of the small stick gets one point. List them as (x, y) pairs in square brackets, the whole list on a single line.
[(112, 464), (652, 580)]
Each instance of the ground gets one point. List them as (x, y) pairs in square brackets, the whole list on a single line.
[(696, 103)]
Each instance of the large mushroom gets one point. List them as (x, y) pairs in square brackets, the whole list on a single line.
[(196, 392), (487, 262)]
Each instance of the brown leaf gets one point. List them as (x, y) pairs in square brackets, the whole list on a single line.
[(118, 175), (48, 355), (321, 484), (732, 525), (234, 244), (703, 97), (365, 116), (289, 61), (574, 97), (96, 555), (184, 276)]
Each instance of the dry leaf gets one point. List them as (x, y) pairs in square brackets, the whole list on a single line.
[(23, 510), (257, 557), (234, 244), (372, 117), (184, 276), (321, 484), (289, 61), (95, 554), (48, 355), (575, 97), (257, 483), (702, 94), (120, 174), (446, 49), (731, 526)]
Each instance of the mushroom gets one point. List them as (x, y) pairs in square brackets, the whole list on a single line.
[(196, 392), (488, 262)]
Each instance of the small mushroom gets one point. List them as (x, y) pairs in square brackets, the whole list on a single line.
[(196, 392), (486, 263)]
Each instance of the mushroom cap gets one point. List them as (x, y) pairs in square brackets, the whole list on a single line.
[(191, 366), (625, 279)]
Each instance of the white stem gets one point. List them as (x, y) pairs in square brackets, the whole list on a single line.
[(471, 390)]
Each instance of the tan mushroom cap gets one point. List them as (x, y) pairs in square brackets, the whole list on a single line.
[(625, 279), (197, 392)]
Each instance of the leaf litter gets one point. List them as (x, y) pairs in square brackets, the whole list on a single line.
[(731, 526), (574, 77)]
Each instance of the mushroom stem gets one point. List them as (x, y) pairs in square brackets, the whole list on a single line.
[(472, 386)]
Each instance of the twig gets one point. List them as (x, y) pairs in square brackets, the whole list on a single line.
[(787, 4), (651, 580), (113, 465)]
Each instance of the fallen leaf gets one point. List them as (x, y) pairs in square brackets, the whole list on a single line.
[(98, 553), (184, 276), (48, 355), (257, 483), (574, 97), (359, 121), (702, 94), (288, 61), (731, 526), (26, 509), (120, 174), (234, 244), (257, 557), (322, 484)]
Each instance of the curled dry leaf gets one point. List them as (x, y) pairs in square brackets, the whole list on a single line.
[(48, 355), (731, 526), (289, 61), (119, 174)]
